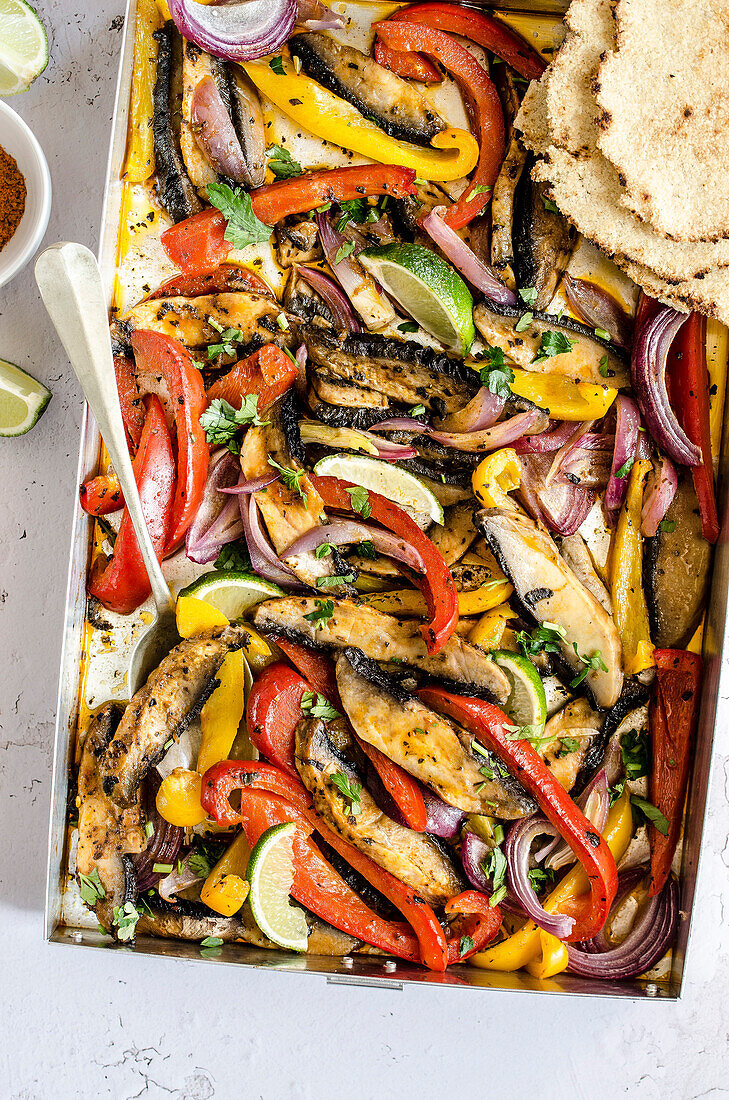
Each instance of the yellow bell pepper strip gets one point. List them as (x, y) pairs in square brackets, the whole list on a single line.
[(195, 616), (222, 713), (561, 397), (488, 633), (226, 887), (406, 601), (454, 153), (552, 958), (495, 477), (178, 798), (139, 164), (525, 945), (626, 577)]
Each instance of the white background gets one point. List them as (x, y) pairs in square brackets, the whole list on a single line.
[(77, 1023)]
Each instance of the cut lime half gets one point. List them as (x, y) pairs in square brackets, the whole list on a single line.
[(22, 399), (23, 46), (389, 481), (271, 874), (527, 703), (232, 592), (428, 288)]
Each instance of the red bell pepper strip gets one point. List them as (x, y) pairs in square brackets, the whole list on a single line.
[(485, 104), (130, 400), (436, 584), (674, 712), (162, 355), (273, 712), (316, 668), (486, 722), (267, 373), (689, 386), (122, 584), (411, 66), (491, 33), (101, 495), (225, 278), (198, 243), (401, 787), (479, 923)]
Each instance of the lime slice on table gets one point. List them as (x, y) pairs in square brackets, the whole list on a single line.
[(428, 288), (389, 481), (22, 399), (271, 873), (231, 592), (23, 46), (527, 703)]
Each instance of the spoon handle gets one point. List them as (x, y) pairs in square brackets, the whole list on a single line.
[(71, 287)]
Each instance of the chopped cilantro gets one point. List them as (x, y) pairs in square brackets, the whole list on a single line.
[(497, 375), (648, 812), (290, 477), (367, 550), (125, 918), (243, 226), (91, 887), (345, 249), (408, 326), (635, 751), (282, 164), (528, 733), (617, 790), (481, 189), (276, 63), (465, 945), (323, 550), (221, 421), (591, 664), (234, 556), (540, 878), (494, 867), (351, 790), (524, 322), (360, 501), (568, 745), (229, 337), (323, 613), (544, 639), (333, 582), (553, 343), (352, 210), (315, 705), (528, 294), (603, 368), (549, 205), (211, 941), (668, 526)]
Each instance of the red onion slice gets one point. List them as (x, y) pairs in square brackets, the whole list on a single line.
[(215, 134), (334, 297), (236, 31), (595, 805), (561, 506), (349, 532), (653, 340), (517, 849), (253, 485), (598, 310), (350, 278), (465, 260), (627, 430), (263, 556), (489, 439), (660, 490), (316, 16), (546, 441), (474, 851), (164, 843), (443, 820), (482, 411), (200, 546)]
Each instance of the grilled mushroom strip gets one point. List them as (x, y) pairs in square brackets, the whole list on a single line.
[(428, 746), (497, 325), (543, 239), (412, 857), (502, 212), (391, 102), (290, 512), (174, 188), (551, 592), (383, 638), (106, 832), (574, 551), (297, 242), (188, 319), (172, 696), (580, 725)]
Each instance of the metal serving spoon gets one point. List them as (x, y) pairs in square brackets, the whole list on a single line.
[(69, 280)]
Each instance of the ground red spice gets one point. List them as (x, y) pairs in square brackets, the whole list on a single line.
[(12, 196)]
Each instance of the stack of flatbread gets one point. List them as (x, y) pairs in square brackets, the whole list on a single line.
[(630, 125)]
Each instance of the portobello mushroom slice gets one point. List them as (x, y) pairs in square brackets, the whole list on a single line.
[(163, 708), (502, 211), (107, 832), (382, 637), (456, 534), (551, 592), (676, 570), (302, 299), (188, 319), (290, 512), (574, 551), (393, 103), (543, 239), (297, 242), (573, 731), (401, 370), (174, 187), (497, 324), (430, 747), (412, 857)]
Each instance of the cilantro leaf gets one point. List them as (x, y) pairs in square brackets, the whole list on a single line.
[(323, 613), (524, 322), (549, 205), (497, 375), (367, 550), (568, 745), (465, 945), (350, 789), (125, 918), (211, 941), (481, 189), (315, 705), (592, 664), (494, 867), (528, 733), (345, 249), (553, 343), (221, 421), (408, 326), (617, 790), (635, 751), (604, 369), (337, 579), (282, 164), (276, 63), (648, 812), (91, 887), (290, 477), (546, 638), (667, 525), (528, 294), (243, 226), (352, 210), (360, 501), (233, 556), (323, 550), (625, 468), (540, 878)]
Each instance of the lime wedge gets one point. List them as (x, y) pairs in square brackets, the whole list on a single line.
[(389, 481), (527, 703), (232, 593), (271, 873), (428, 288), (23, 46), (22, 399)]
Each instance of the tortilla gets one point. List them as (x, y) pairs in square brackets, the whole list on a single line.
[(666, 114), (572, 110), (531, 120)]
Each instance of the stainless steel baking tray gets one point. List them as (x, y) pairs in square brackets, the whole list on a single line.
[(356, 970)]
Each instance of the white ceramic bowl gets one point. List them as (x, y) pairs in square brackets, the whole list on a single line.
[(20, 142)]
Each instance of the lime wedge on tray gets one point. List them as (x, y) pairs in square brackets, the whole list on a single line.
[(22, 398), (23, 46), (527, 703), (271, 873), (389, 481), (232, 592), (428, 288)]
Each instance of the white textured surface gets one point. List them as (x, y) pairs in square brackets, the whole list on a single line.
[(98, 1024)]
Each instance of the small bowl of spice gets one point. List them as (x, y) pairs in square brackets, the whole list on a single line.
[(25, 194)]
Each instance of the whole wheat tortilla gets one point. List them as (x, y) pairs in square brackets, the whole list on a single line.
[(531, 120), (708, 295), (663, 92), (572, 110)]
